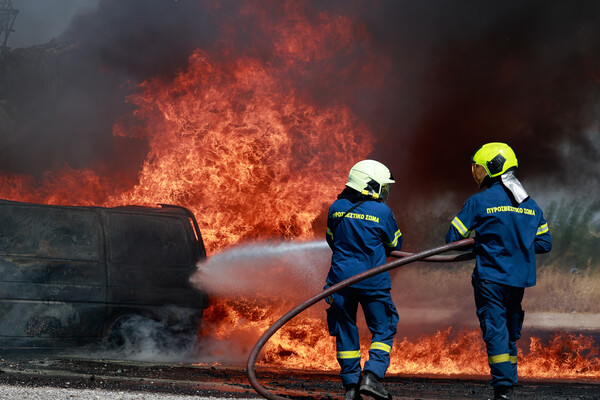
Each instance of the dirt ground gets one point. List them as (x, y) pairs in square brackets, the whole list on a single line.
[(231, 381)]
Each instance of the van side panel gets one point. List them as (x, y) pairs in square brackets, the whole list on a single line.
[(68, 273), (150, 260), (52, 272)]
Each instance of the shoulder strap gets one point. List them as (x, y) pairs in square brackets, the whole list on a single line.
[(344, 216)]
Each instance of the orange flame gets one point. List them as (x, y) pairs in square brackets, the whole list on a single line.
[(248, 159), (253, 156), (232, 139), (567, 355), (304, 343)]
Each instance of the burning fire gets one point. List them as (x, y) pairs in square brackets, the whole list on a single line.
[(234, 139), (304, 343), (246, 157)]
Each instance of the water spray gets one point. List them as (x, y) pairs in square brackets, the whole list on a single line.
[(430, 255)]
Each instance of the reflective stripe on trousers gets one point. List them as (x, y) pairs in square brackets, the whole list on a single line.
[(381, 318), (501, 319)]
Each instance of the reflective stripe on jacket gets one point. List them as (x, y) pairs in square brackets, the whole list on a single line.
[(360, 241), (506, 236)]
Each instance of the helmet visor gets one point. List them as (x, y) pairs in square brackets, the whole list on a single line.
[(385, 192)]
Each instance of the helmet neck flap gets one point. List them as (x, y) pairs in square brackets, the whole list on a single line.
[(500, 162)]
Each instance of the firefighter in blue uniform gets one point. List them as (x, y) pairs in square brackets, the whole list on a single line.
[(509, 229), (362, 231)]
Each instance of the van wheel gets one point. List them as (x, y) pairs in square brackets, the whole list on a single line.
[(129, 332), (135, 334)]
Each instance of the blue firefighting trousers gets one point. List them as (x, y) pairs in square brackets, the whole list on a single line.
[(381, 318), (501, 319)]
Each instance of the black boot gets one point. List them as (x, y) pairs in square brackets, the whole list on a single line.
[(352, 393), (370, 386), (503, 393)]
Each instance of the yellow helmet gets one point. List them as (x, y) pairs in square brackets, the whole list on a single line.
[(496, 158), (370, 178)]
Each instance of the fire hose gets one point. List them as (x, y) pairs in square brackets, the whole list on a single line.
[(430, 255)]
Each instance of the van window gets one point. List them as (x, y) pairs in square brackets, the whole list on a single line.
[(49, 232), (139, 239)]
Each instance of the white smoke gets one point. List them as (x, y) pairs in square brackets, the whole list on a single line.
[(139, 338)]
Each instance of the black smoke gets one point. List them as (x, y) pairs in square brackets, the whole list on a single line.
[(453, 76)]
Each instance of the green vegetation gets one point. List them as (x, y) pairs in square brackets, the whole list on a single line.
[(575, 230)]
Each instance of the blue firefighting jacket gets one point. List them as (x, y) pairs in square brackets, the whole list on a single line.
[(507, 235), (360, 240)]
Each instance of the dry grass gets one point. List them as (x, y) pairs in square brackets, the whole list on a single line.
[(558, 290), (433, 286)]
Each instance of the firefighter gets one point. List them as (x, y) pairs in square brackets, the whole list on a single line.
[(509, 229), (362, 231)]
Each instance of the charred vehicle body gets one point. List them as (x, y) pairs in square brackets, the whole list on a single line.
[(70, 274)]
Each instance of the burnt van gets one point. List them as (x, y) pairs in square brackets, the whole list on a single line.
[(70, 274)]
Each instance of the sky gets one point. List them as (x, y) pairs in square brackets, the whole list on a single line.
[(39, 21)]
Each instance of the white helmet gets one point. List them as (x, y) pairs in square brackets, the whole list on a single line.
[(370, 178)]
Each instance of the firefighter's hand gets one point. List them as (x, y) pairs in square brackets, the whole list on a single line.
[(335, 300)]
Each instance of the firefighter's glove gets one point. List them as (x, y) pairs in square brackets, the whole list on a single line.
[(335, 300)]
